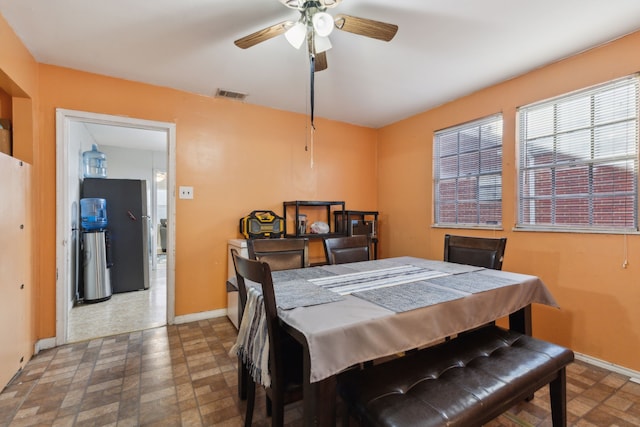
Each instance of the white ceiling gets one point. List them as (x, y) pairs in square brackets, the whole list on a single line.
[(443, 50)]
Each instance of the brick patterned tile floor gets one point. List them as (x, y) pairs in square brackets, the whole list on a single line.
[(182, 375)]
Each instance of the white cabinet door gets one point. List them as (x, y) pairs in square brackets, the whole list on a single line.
[(15, 267)]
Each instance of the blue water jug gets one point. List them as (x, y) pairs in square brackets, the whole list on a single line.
[(93, 213), (95, 163)]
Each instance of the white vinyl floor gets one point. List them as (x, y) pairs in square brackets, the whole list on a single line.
[(123, 312)]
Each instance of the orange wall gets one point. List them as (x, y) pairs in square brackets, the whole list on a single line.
[(18, 87), (241, 157), (599, 299), (5, 105), (238, 157)]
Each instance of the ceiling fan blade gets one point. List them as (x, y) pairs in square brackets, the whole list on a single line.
[(321, 61), (366, 27), (263, 35)]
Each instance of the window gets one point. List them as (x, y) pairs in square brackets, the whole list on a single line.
[(578, 161), (468, 174)]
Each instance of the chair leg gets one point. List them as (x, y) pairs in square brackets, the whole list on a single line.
[(250, 386), (558, 397), (277, 416), (242, 379)]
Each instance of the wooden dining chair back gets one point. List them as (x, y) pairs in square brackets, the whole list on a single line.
[(342, 250), (285, 354), (280, 254), (478, 251)]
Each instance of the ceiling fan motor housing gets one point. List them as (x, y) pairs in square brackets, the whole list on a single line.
[(304, 4)]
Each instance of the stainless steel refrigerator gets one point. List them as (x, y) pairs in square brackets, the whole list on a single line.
[(127, 230)]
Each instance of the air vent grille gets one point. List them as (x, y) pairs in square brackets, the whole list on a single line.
[(238, 96)]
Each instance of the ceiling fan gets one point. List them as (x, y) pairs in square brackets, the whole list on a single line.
[(314, 27)]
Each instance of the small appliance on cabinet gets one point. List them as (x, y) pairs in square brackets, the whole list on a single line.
[(128, 229)]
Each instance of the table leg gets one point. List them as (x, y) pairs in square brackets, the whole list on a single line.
[(319, 398), (520, 321), (319, 406)]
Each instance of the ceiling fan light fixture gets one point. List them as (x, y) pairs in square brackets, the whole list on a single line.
[(296, 34), (321, 44), (322, 24)]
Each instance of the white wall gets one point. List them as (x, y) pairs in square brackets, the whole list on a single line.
[(128, 163)]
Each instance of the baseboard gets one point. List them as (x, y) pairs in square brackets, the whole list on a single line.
[(633, 375), (44, 344), (203, 315)]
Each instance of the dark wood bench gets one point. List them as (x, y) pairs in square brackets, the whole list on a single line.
[(466, 381)]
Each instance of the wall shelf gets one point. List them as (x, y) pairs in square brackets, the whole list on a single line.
[(314, 211)]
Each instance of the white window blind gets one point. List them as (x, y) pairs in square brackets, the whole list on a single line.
[(468, 173), (578, 162)]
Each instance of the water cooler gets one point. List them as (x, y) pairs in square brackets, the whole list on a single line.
[(96, 274)]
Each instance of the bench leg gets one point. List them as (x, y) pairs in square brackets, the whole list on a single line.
[(558, 396)]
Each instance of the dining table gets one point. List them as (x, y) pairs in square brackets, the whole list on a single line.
[(348, 314)]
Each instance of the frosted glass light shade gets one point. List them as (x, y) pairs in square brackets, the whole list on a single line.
[(321, 43), (296, 34), (322, 23)]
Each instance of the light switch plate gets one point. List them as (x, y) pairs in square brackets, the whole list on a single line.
[(185, 192)]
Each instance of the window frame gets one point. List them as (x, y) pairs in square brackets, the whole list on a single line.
[(556, 166), (496, 188)]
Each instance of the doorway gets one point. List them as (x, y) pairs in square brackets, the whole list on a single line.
[(68, 178)]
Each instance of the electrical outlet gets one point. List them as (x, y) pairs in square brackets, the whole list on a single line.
[(185, 192)]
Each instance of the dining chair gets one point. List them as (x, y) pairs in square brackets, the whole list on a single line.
[(484, 252), (285, 354), (342, 250), (478, 251), (243, 372), (280, 254)]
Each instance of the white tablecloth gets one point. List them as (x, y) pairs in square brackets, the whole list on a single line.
[(352, 330)]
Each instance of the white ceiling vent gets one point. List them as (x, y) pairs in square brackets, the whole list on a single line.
[(238, 96)]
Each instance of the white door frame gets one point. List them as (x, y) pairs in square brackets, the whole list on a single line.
[(64, 118), (154, 215)]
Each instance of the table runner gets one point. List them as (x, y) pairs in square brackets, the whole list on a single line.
[(473, 282), (409, 296), (302, 293), (346, 284)]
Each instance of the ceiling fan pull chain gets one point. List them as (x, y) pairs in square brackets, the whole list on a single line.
[(312, 61), (313, 71)]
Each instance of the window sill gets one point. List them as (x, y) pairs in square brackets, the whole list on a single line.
[(574, 230), (469, 226)]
